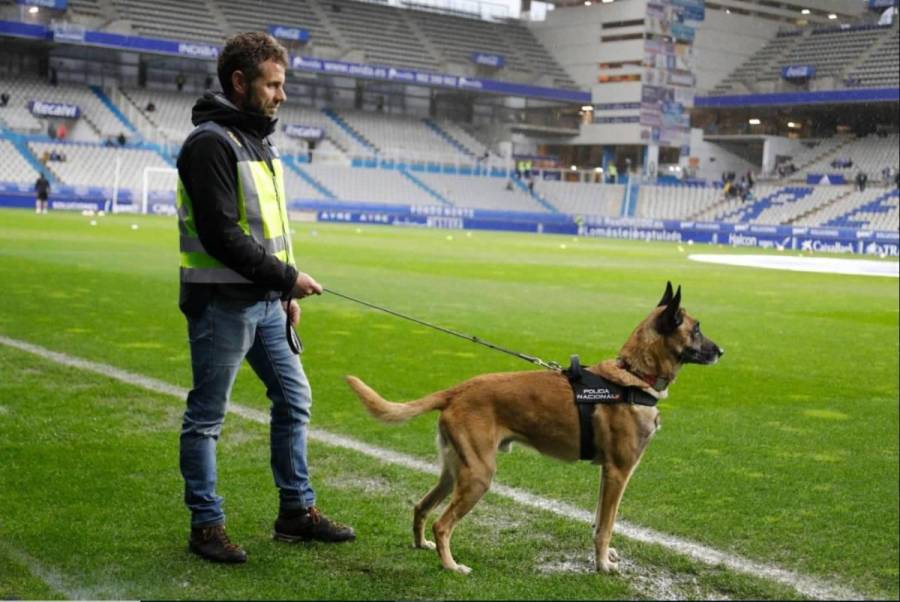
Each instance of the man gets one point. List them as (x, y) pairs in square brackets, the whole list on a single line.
[(237, 279), (42, 192)]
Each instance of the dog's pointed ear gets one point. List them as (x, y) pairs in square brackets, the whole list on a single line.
[(670, 319), (667, 296)]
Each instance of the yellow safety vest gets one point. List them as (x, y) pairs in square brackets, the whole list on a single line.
[(261, 209)]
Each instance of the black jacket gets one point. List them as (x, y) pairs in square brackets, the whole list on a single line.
[(207, 167)]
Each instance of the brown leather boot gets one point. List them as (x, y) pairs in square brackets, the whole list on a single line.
[(309, 524), (213, 544)]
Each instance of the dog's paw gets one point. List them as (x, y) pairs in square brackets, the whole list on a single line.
[(425, 545), (462, 569), (613, 555), (605, 566)]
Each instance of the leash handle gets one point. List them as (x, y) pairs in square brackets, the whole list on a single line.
[(293, 339), (528, 358)]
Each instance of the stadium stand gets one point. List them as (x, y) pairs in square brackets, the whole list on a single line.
[(869, 154), (583, 198), (675, 202), (13, 166), (97, 121), (402, 136), (240, 16), (386, 186), (481, 192), (386, 158), (171, 19), (859, 56), (875, 207), (92, 164)]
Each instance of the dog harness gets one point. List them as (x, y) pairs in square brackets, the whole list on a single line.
[(589, 389)]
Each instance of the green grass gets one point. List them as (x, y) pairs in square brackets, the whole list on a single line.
[(786, 452)]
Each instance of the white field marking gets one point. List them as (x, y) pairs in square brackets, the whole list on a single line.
[(826, 265), (53, 580), (808, 586)]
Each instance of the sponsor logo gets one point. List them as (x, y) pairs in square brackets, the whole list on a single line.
[(199, 50), (289, 33), (54, 109), (821, 246)]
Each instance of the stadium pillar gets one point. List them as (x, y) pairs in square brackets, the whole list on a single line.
[(524, 6), (651, 159)]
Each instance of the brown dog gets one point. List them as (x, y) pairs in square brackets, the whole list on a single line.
[(488, 412)]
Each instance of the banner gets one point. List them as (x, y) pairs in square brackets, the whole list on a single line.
[(51, 4), (202, 51), (798, 71), (39, 108), (488, 60), (285, 32), (67, 33), (306, 132)]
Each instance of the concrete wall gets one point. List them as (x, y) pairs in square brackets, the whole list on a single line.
[(725, 41)]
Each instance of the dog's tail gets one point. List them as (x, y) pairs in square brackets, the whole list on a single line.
[(387, 411)]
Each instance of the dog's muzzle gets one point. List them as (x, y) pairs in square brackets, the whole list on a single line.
[(707, 354)]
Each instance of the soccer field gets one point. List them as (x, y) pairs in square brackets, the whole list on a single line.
[(785, 454)]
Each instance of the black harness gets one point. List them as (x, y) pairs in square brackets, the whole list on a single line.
[(589, 389)]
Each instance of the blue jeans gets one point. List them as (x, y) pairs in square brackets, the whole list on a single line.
[(221, 337)]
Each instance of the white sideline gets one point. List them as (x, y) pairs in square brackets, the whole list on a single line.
[(807, 586)]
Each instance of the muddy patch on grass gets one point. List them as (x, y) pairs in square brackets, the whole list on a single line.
[(652, 582)]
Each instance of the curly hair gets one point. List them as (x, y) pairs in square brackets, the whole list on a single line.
[(245, 52)]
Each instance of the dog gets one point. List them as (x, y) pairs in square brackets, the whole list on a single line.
[(487, 413)]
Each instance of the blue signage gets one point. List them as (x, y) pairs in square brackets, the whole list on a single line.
[(285, 32), (307, 132), (51, 4), (422, 78), (682, 32), (798, 71), (39, 108), (880, 4), (68, 33), (488, 60), (690, 10)]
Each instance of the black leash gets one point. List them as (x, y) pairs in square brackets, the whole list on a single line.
[(528, 358)]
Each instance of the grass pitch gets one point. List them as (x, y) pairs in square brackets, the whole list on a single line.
[(785, 453)]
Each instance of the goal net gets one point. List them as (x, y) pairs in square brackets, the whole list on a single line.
[(158, 190)]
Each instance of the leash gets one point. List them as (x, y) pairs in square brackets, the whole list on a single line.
[(528, 358)]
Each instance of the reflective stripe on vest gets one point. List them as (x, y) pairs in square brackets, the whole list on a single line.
[(262, 214)]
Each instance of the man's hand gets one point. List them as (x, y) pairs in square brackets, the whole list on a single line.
[(306, 285), (293, 310)]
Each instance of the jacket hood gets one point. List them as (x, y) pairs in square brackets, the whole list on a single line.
[(213, 106)]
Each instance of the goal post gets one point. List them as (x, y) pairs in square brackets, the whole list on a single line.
[(158, 180)]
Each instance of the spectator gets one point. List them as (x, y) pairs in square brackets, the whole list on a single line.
[(51, 131), (208, 82), (150, 106), (509, 185), (861, 179), (179, 81), (4, 99), (749, 180), (42, 192), (121, 139), (531, 183), (612, 173), (61, 131)]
